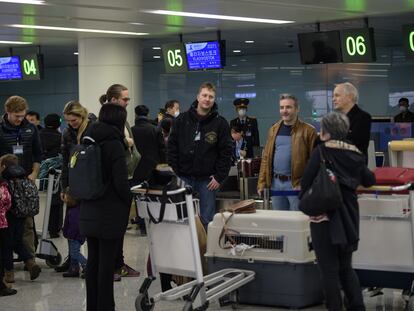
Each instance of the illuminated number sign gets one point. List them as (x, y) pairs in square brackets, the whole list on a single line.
[(358, 45), (174, 58), (408, 41), (31, 66)]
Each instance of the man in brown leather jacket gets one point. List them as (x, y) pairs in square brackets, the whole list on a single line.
[(288, 147)]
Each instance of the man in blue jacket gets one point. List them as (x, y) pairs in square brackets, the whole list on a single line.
[(200, 149)]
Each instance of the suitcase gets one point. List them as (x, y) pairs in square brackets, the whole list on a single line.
[(394, 175)]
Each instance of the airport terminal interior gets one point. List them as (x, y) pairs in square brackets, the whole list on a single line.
[(56, 51)]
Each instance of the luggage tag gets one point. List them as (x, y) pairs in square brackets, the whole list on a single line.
[(197, 136), (18, 149)]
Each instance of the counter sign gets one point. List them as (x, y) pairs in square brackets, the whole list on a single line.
[(31, 66), (358, 45), (174, 58), (408, 40)]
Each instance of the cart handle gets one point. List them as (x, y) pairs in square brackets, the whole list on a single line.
[(140, 189), (387, 188)]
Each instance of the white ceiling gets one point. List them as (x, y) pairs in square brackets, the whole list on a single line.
[(118, 15)]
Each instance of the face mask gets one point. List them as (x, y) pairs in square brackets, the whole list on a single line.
[(242, 113), (176, 114), (403, 108)]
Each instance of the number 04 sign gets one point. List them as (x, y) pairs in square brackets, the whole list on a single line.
[(175, 60), (358, 45)]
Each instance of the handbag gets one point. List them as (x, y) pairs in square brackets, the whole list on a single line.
[(324, 195)]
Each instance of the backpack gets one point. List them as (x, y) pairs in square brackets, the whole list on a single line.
[(85, 170), (25, 197)]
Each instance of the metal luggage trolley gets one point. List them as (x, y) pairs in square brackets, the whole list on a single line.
[(174, 249), (47, 250), (385, 256)]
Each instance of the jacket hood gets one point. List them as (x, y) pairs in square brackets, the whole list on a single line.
[(104, 132), (14, 171), (212, 114)]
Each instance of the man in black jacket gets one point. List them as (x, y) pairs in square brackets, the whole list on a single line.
[(200, 149), (405, 115), (21, 138), (345, 99)]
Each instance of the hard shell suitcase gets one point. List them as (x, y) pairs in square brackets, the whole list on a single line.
[(394, 175)]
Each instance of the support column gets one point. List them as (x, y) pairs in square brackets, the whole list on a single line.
[(106, 61)]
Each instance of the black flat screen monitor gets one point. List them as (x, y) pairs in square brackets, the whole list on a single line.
[(10, 68), (204, 55), (320, 47)]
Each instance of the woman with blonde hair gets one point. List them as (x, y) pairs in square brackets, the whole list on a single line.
[(76, 117)]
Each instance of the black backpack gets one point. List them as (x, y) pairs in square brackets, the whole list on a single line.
[(86, 180), (25, 197)]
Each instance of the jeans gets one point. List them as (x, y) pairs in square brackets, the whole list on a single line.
[(283, 203), (207, 198), (335, 265), (76, 256)]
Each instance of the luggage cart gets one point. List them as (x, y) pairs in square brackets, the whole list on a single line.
[(385, 256), (47, 250), (174, 249)]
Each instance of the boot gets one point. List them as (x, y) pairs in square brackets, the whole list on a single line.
[(7, 291), (64, 266), (7, 285), (33, 268), (9, 276), (73, 272)]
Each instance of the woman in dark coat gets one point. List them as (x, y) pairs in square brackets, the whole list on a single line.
[(335, 236), (104, 220)]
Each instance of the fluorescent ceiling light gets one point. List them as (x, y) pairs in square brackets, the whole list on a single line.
[(156, 56), (249, 41), (75, 53), (156, 48), (80, 30), (139, 24), (223, 17), (236, 51), (37, 2), (14, 42)]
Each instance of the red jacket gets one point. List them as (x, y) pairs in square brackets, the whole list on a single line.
[(5, 204)]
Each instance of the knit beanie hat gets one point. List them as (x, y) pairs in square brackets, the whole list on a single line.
[(52, 121)]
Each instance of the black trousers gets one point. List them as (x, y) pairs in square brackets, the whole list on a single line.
[(100, 274), (335, 265), (56, 214)]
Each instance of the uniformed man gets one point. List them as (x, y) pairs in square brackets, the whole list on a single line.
[(247, 124)]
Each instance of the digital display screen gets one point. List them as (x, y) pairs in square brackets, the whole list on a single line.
[(408, 41), (203, 55), (358, 45), (10, 68), (32, 66), (320, 47)]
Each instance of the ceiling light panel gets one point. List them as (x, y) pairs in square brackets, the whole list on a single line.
[(220, 17), (79, 30), (14, 42), (35, 2)]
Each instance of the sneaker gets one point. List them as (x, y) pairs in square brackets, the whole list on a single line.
[(117, 277), (73, 272), (127, 271)]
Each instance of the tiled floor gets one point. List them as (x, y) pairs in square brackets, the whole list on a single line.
[(51, 292)]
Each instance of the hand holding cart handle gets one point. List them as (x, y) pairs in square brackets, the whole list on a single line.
[(141, 189)]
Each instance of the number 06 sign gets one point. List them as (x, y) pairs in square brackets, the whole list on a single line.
[(358, 45), (175, 60)]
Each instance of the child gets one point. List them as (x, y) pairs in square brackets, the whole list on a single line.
[(5, 205), (14, 174), (72, 234)]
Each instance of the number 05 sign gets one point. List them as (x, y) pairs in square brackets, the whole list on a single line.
[(175, 60), (358, 45), (408, 41)]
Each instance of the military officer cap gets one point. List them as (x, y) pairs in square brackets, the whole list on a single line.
[(241, 102)]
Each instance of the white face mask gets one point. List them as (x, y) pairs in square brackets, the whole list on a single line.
[(403, 108), (242, 113), (176, 113)]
